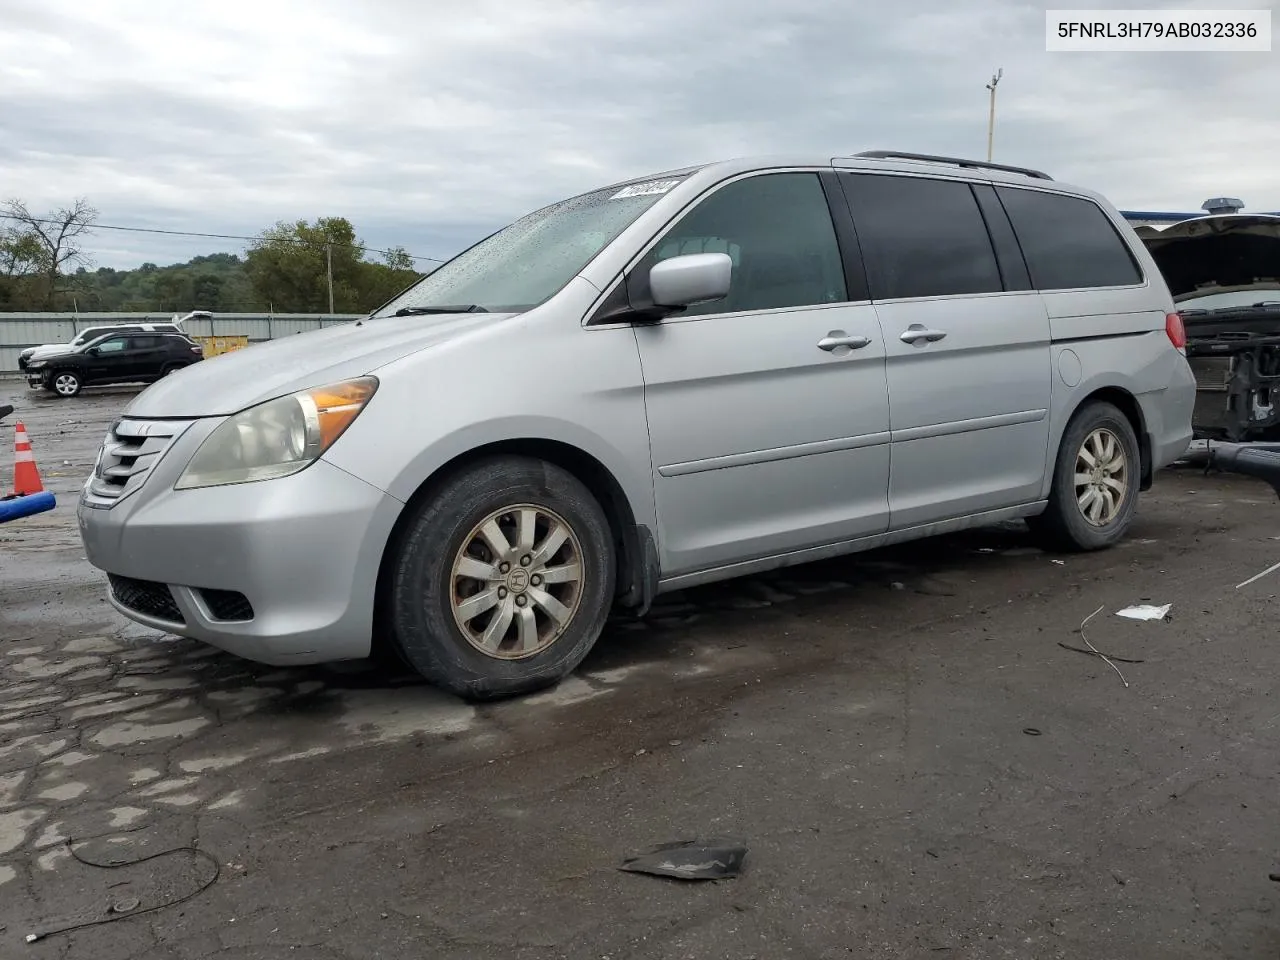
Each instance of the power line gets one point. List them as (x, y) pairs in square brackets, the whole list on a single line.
[(211, 236)]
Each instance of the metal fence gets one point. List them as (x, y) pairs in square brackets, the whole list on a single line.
[(21, 330)]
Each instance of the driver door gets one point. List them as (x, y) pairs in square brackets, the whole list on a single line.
[(768, 435), (107, 359)]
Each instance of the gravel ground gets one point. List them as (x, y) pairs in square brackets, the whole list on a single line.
[(918, 767)]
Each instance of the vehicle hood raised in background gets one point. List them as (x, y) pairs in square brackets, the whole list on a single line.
[(1221, 253), (226, 384)]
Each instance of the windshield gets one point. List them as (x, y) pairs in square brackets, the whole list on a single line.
[(529, 261), (1229, 300)]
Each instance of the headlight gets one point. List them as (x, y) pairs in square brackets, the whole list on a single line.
[(277, 438), (34, 364)]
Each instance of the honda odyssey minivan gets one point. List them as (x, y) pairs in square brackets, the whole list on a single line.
[(681, 378)]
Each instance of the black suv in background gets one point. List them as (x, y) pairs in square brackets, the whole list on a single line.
[(114, 358), (93, 333)]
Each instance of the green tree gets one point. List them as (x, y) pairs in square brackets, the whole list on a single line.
[(398, 259), (21, 268), (206, 291), (290, 265), (60, 238)]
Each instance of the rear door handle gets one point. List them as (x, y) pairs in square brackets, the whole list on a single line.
[(838, 338), (915, 333)]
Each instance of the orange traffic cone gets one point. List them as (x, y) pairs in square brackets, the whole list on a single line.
[(26, 478)]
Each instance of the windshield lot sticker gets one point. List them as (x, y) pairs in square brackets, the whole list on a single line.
[(645, 189)]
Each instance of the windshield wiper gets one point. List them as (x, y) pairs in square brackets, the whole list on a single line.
[(422, 311)]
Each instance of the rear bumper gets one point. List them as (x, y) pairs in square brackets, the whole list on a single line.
[(1168, 415)]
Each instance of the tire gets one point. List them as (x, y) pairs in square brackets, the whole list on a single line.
[(65, 383), (442, 559), (1065, 525), (169, 368)]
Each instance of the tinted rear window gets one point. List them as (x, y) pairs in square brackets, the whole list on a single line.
[(1068, 242), (921, 237)]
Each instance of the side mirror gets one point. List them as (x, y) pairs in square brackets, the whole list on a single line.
[(94, 351), (690, 278)]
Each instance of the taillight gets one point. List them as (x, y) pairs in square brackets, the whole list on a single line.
[(1176, 331)]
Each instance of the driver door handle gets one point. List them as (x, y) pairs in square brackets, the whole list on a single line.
[(838, 339), (915, 333)]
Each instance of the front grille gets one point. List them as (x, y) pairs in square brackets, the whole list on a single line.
[(147, 597), (131, 449), (227, 604)]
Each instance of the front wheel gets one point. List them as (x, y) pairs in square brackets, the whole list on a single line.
[(503, 578), (1095, 482), (65, 383)]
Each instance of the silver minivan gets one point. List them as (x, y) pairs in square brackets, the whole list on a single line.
[(682, 378)]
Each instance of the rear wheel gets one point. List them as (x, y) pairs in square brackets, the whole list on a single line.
[(503, 579), (1095, 482), (65, 383), (169, 368)]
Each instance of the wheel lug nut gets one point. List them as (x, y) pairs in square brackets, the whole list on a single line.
[(520, 601), (526, 560), (536, 580), (504, 567), (502, 593)]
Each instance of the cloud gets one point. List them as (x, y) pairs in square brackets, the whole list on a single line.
[(431, 125)]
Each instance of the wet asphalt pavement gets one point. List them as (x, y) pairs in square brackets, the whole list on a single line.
[(918, 767)]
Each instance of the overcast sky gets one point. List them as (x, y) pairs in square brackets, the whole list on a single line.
[(429, 124)]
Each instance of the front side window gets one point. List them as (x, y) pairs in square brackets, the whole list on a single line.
[(115, 345), (777, 230), (1069, 243), (921, 237), (531, 260)]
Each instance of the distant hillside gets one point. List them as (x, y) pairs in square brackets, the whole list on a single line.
[(297, 267), (217, 282)]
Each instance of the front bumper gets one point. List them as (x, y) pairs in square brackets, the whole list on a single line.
[(281, 572)]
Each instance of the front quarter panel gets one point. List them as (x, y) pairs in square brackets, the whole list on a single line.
[(538, 376)]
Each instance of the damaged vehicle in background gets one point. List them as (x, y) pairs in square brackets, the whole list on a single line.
[(46, 350), (1224, 272)]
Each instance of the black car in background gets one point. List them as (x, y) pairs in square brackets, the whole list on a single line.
[(93, 333), (114, 358)]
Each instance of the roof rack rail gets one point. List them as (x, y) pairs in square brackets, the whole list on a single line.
[(957, 161)]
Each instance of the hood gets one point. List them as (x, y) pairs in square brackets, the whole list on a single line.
[(1217, 254), (229, 382), (47, 350)]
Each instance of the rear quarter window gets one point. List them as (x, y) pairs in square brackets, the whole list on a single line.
[(1069, 243)]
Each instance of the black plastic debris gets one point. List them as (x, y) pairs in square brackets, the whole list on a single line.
[(690, 860)]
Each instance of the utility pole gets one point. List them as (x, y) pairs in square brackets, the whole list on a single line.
[(328, 259), (991, 119)]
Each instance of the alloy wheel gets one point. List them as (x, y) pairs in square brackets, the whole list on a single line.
[(516, 581), (1101, 477)]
